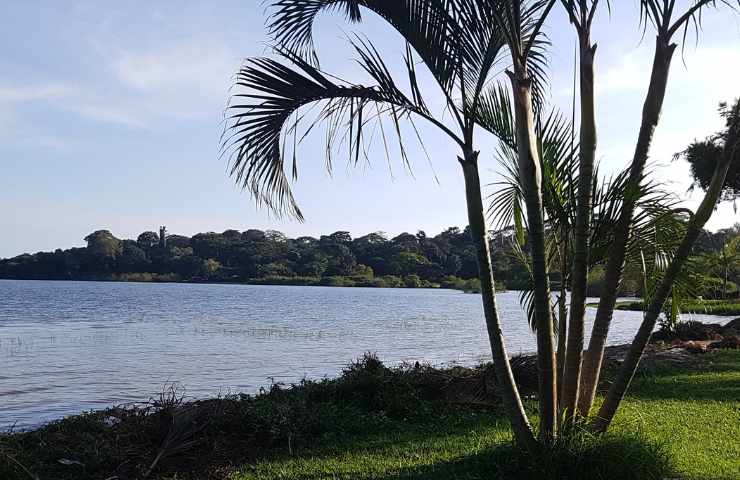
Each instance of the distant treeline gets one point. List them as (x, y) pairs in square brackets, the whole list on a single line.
[(269, 257)]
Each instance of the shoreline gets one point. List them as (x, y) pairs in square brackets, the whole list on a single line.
[(257, 283), (662, 347), (239, 436)]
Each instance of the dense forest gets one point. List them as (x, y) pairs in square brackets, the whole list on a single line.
[(269, 257), (373, 260)]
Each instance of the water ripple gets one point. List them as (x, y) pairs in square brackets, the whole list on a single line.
[(66, 347)]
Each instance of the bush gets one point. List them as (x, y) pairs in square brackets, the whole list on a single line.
[(686, 331), (471, 285)]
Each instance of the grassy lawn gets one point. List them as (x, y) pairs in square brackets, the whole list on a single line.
[(692, 412), (679, 421), (708, 307)]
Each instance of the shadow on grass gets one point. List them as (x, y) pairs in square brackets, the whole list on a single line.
[(621, 458), (582, 457)]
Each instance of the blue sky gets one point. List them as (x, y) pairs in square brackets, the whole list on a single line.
[(110, 116)]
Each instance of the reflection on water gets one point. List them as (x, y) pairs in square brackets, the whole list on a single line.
[(72, 346)]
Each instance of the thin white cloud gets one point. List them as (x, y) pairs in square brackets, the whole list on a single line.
[(192, 62), (142, 88), (184, 80), (700, 79), (15, 93)]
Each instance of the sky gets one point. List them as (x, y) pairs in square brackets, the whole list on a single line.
[(111, 115)]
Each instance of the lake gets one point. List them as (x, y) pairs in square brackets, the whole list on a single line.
[(66, 347)]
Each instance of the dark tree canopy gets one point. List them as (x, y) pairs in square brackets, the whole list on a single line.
[(256, 256), (703, 155)]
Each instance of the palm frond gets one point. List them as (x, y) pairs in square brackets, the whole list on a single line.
[(558, 158), (660, 15), (494, 114), (425, 24), (657, 224), (521, 23), (274, 94)]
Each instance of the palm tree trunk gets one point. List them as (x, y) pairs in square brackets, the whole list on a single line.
[(631, 362), (615, 264), (579, 276), (504, 375), (531, 178), (562, 314), (562, 336)]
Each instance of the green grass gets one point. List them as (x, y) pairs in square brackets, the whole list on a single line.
[(691, 414), (694, 411), (679, 421), (477, 449), (709, 307)]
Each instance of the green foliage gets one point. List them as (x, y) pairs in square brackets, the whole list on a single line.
[(269, 257), (103, 245), (471, 285), (703, 155), (708, 307)]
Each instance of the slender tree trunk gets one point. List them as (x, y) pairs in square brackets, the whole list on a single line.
[(562, 336), (505, 377), (531, 178), (562, 315), (579, 275), (631, 362), (615, 264)]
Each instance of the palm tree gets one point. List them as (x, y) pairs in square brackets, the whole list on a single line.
[(279, 101), (581, 15), (520, 23), (660, 15), (722, 261), (558, 162), (459, 42), (657, 224), (730, 147)]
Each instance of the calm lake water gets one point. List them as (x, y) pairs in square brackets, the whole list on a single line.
[(66, 347)]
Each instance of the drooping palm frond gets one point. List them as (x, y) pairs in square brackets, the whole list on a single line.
[(505, 208), (460, 41), (480, 46), (274, 94), (425, 24), (494, 114), (656, 225)]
